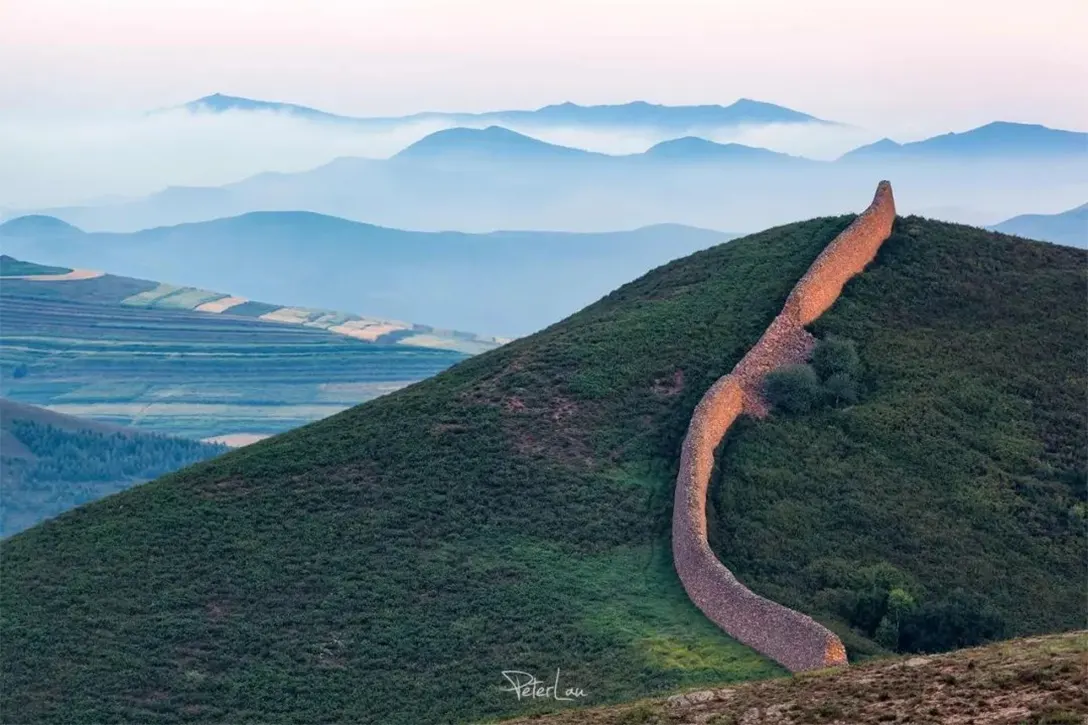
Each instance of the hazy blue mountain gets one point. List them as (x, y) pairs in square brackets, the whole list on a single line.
[(695, 149), (38, 226), (506, 283), (491, 143), (1068, 227), (999, 139), (173, 204), (638, 114), (642, 114), (480, 180), (220, 103)]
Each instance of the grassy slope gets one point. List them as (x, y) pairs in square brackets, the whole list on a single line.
[(11, 267), (386, 564), (495, 516), (50, 463), (964, 461), (1034, 681), (10, 412)]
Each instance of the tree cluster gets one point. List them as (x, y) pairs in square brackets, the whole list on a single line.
[(831, 379)]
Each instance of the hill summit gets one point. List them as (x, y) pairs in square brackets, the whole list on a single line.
[(38, 225), (493, 141), (388, 564)]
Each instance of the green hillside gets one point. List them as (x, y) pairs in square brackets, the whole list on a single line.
[(961, 475), (11, 267), (512, 513), (50, 463)]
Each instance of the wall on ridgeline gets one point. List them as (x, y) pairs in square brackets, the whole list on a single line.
[(794, 640)]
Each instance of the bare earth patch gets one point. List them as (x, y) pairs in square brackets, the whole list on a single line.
[(70, 276), (221, 305), (1033, 681), (291, 315), (369, 330), (237, 440)]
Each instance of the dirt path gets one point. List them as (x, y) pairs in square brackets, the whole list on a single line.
[(792, 639)]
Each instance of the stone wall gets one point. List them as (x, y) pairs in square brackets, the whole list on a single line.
[(793, 639)]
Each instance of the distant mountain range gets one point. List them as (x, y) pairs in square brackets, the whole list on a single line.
[(1068, 227), (637, 114), (483, 179), (510, 283), (999, 139), (496, 143)]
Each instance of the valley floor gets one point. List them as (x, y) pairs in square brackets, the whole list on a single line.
[(1036, 680)]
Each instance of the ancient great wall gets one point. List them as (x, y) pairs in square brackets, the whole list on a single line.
[(794, 640)]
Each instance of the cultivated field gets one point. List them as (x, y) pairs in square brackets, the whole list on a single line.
[(73, 347)]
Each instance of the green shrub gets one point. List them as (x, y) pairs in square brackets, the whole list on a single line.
[(793, 388), (959, 620), (841, 389), (835, 356)]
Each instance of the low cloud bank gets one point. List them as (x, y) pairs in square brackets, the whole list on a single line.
[(78, 160), (51, 162)]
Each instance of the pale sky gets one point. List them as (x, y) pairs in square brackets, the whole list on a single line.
[(914, 64)]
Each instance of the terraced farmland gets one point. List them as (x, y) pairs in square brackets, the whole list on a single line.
[(73, 347)]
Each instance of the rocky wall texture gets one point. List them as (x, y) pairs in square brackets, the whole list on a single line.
[(792, 639)]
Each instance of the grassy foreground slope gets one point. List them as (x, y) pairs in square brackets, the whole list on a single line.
[(386, 564), (1032, 681)]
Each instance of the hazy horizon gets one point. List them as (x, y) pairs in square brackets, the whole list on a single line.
[(74, 126), (910, 71)]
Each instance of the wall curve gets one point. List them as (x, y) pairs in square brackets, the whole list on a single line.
[(794, 640)]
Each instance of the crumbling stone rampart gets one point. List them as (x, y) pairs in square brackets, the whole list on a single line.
[(793, 639)]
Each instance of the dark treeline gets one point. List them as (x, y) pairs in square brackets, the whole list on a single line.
[(75, 467)]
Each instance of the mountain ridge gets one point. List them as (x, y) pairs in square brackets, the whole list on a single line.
[(996, 139), (478, 181), (1069, 227), (637, 113)]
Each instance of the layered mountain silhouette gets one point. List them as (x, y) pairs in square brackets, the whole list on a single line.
[(507, 283), (512, 512), (483, 179), (501, 144), (1067, 227), (637, 114)]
